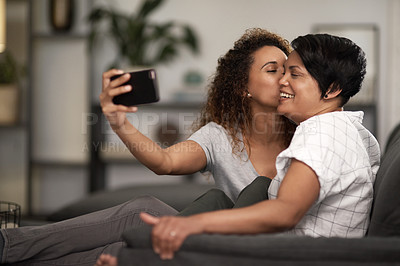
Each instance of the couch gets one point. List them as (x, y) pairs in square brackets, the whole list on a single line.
[(380, 246)]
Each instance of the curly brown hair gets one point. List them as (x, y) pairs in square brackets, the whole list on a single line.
[(226, 104)]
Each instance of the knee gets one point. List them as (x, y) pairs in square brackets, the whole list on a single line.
[(217, 197), (144, 199), (141, 203), (262, 180), (260, 183), (215, 193), (150, 204)]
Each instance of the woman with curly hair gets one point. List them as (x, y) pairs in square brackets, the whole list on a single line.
[(237, 139), (239, 133)]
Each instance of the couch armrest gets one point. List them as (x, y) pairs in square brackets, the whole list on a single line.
[(263, 248)]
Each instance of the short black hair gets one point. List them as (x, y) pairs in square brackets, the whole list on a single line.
[(336, 63)]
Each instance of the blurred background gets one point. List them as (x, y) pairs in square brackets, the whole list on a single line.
[(56, 148)]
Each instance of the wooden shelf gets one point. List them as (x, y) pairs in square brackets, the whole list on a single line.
[(18, 126), (57, 35), (59, 164), (165, 105)]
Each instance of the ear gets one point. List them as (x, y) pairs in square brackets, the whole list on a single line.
[(332, 94), (247, 94)]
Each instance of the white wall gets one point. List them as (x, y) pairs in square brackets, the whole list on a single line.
[(220, 22)]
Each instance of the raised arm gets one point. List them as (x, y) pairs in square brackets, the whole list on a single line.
[(297, 193), (183, 158)]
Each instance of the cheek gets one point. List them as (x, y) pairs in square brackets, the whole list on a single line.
[(275, 79), (272, 83), (262, 86)]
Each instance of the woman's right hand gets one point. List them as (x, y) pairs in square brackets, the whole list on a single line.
[(186, 157), (115, 114)]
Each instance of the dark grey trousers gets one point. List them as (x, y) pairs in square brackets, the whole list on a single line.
[(216, 199), (78, 241)]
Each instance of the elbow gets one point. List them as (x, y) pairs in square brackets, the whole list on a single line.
[(286, 222), (290, 221), (165, 166), (161, 171), (162, 167), (289, 224)]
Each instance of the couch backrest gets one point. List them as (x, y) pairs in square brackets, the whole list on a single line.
[(393, 137), (385, 216)]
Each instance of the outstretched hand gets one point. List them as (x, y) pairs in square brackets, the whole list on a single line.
[(116, 114), (169, 232)]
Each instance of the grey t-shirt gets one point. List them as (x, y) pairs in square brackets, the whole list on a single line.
[(231, 172)]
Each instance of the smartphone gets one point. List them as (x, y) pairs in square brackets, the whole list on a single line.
[(144, 88)]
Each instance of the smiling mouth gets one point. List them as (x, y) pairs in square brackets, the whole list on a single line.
[(286, 95)]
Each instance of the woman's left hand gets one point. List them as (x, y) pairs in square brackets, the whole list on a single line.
[(169, 232)]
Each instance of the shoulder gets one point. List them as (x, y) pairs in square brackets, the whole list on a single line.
[(211, 132), (330, 123), (326, 134), (211, 128)]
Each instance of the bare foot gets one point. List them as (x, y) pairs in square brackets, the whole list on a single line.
[(106, 260)]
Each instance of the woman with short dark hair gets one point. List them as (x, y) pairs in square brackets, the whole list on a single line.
[(324, 181)]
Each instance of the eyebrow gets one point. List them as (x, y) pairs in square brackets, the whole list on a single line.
[(291, 67), (271, 62)]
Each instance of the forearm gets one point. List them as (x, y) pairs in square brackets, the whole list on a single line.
[(295, 197), (298, 192), (265, 217), (144, 149), (148, 152)]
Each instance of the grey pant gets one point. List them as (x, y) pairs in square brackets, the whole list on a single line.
[(78, 241), (216, 199)]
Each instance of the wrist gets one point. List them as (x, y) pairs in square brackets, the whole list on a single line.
[(201, 221), (121, 127)]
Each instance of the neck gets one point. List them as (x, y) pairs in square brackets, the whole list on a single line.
[(327, 109), (266, 127)]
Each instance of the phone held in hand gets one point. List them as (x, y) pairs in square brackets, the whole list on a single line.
[(144, 88)]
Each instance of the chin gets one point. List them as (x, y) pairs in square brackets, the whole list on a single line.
[(289, 115), (281, 110)]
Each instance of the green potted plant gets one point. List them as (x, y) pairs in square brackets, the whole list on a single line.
[(140, 41), (9, 93)]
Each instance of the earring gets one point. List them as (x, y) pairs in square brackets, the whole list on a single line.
[(326, 96), (248, 95)]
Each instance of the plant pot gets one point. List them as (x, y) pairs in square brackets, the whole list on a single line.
[(9, 104)]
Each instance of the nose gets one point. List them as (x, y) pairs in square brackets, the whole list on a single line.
[(283, 81)]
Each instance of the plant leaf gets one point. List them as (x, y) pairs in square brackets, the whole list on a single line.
[(139, 40), (190, 38), (148, 6), (9, 71), (167, 53)]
